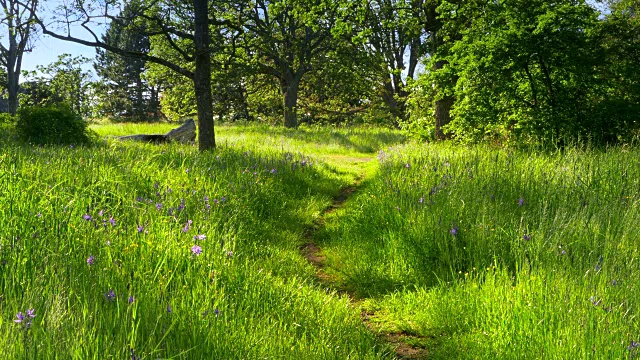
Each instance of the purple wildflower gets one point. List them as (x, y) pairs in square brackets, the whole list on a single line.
[(169, 308), (187, 226), (594, 301), (187, 170), (140, 228), (199, 237), (91, 260), (112, 221), (139, 199), (216, 311), (230, 254), (31, 313), (634, 345), (156, 185), (20, 317), (159, 206), (520, 202), (526, 237), (181, 206), (407, 165), (454, 231), (39, 215), (87, 217), (131, 299), (101, 212), (196, 250), (110, 295), (273, 171)]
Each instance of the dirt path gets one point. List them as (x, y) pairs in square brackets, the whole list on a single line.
[(401, 342)]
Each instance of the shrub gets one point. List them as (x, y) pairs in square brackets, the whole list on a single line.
[(6, 118), (56, 124)]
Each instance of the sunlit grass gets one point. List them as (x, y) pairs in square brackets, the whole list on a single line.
[(497, 253), (99, 241)]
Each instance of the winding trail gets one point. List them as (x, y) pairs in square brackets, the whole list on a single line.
[(400, 341)]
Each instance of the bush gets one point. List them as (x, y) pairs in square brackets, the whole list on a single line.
[(6, 118), (56, 124)]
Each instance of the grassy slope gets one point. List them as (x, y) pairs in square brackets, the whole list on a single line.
[(551, 276), (248, 295)]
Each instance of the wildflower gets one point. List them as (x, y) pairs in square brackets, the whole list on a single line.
[(520, 202), (230, 254), (223, 199), (526, 237), (133, 355), (199, 237), (169, 308), (634, 345), (87, 217), (140, 228), (139, 199), (216, 311), (196, 250), (421, 200), (187, 170), (39, 215), (131, 299), (454, 231), (407, 165), (156, 185), (20, 317), (91, 260), (112, 221), (101, 212), (181, 206), (273, 171), (110, 295), (31, 313), (187, 226), (159, 206), (594, 301)]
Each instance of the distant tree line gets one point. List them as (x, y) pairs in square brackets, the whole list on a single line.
[(502, 71)]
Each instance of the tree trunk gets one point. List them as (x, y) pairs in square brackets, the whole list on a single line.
[(202, 76), (290, 101), (443, 108), (12, 88)]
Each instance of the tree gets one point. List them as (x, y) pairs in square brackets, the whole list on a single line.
[(62, 82), (283, 38), (394, 33), (124, 91), (161, 19), (18, 17)]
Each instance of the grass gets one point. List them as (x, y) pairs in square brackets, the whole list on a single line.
[(497, 253), (136, 210), (472, 252)]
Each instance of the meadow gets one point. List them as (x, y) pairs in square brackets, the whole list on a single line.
[(129, 250)]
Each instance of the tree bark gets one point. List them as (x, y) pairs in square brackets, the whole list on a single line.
[(202, 76), (443, 108), (289, 89)]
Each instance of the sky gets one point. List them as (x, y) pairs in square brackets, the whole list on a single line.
[(47, 50)]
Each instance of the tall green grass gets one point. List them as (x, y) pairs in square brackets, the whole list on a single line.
[(100, 242), (497, 253)]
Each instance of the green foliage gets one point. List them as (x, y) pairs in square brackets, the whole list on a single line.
[(56, 124), (61, 82), (533, 72), (6, 118)]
